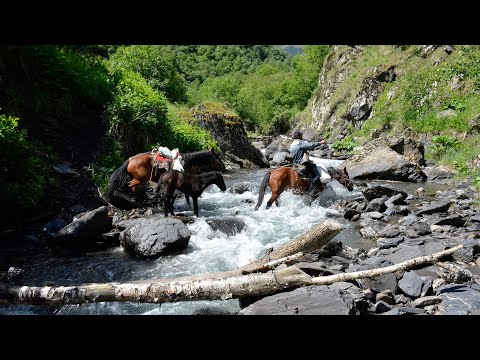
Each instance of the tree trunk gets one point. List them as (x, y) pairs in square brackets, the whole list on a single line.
[(172, 290)]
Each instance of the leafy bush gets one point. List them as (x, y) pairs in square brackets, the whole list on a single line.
[(155, 64), (106, 163), (25, 174), (138, 113), (346, 144), (440, 145)]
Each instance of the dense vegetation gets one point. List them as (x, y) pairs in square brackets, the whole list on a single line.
[(132, 98), (437, 95)]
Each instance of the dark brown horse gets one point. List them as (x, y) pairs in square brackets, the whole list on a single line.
[(136, 171), (190, 185), (285, 177)]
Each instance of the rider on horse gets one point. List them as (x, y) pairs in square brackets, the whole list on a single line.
[(298, 150)]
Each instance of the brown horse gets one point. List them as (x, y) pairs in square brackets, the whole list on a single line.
[(136, 171), (285, 177), (190, 185)]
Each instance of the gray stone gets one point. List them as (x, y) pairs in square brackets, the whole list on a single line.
[(314, 268), (411, 284), (453, 220), (421, 228), (390, 231), (228, 225), (458, 299), (155, 236), (336, 299), (238, 189), (397, 199), (377, 191), (475, 219), (377, 204), (63, 169), (83, 232), (405, 253), (385, 164), (440, 206), (381, 283), (385, 243), (382, 306), (447, 113)]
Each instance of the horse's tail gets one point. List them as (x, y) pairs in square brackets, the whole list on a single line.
[(263, 187), (118, 180)]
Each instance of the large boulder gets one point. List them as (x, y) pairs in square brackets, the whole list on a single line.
[(84, 231), (336, 299), (155, 236), (384, 164), (227, 128)]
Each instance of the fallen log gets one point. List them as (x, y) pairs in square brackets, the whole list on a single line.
[(165, 290)]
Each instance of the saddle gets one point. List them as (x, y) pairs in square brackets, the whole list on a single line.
[(302, 170)]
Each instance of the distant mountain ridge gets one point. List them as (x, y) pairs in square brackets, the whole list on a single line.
[(291, 49)]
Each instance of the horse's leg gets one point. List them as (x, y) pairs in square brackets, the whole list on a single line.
[(172, 202), (195, 205), (134, 185), (187, 198)]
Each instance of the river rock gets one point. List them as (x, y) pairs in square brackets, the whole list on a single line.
[(459, 299), (336, 299), (384, 164), (228, 225), (153, 237), (84, 231)]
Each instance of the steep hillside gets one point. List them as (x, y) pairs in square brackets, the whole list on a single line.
[(368, 92)]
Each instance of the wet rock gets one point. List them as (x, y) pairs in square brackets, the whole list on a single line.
[(281, 158), (84, 231), (15, 273), (475, 219), (405, 310), (52, 227), (238, 189), (315, 268), (112, 238), (228, 225), (377, 205), (336, 299), (156, 236), (439, 173)]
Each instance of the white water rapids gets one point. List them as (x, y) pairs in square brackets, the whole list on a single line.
[(208, 250)]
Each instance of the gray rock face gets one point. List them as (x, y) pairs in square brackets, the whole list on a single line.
[(230, 134), (385, 164), (230, 226), (278, 145), (84, 231), (335, 299), (153, 237), (437, 207), (281, 158), (458, 299)]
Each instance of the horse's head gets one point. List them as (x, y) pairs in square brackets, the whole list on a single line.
[(344, 179), (219, 181)]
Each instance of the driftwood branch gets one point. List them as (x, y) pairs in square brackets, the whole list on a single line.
[(429, 259)]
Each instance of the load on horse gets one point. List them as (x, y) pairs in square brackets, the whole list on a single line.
[(131, 178)]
